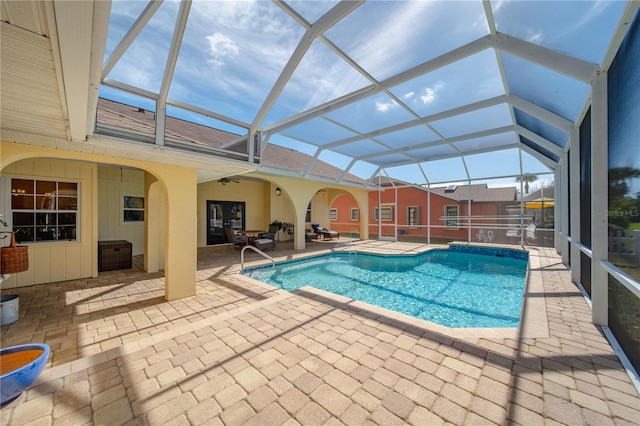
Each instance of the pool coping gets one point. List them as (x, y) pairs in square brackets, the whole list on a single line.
[(533, 317)]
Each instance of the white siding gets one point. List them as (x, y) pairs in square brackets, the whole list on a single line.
[(57, 260)]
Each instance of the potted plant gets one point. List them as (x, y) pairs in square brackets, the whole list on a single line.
[(288, 228), (276, 224)]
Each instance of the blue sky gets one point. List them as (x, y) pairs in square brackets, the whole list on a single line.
[(233, 52)]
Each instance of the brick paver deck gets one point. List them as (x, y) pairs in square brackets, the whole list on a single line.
[(241, 352)]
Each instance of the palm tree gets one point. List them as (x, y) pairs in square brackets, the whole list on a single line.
[(527, 178)]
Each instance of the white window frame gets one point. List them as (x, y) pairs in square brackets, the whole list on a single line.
[(447, 216), (126, 207), (354, 214), (54, 201), (417, 216), (333, 214), (384, 217)]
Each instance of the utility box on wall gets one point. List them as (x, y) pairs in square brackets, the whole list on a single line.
[(113, 255)]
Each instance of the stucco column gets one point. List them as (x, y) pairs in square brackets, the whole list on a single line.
[(152, 223), (181, 233)]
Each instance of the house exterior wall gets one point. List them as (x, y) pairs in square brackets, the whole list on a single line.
[(56, 260), (280, 209), (178, 204), (403, 198), (63, 260), (113, 184), (319, 210), (343, 203), (252, 193)]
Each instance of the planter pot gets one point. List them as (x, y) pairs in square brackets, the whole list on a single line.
[(21, 365), (9, 309)]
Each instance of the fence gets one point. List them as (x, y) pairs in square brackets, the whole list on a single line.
[(625, 246)]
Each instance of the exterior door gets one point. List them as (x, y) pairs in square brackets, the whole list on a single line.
[(223, 214)]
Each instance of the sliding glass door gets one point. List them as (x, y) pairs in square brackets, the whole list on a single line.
[(223, 214)]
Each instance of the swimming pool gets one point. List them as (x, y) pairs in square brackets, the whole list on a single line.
[(458, 287)]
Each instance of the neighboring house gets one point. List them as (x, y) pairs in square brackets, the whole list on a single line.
[(540, 207), (407, 208)]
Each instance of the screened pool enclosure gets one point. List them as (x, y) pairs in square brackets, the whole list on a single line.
[(429, 93), (538, 96)]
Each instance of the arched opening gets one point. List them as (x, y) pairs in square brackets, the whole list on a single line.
[(114, 200)]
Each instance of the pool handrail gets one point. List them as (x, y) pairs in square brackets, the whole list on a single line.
[(260, 252)]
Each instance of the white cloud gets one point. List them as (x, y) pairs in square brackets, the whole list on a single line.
[(429, 96), (536, 37), (392, 27), (385, 106), (408, 95), (430, 93), (220, 48), (596, 9)]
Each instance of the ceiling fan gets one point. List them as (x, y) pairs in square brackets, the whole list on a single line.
[(225, 181)]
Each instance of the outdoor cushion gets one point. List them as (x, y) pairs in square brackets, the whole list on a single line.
[(264, 243)]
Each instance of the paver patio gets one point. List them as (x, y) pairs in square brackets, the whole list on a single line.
[(241, 352)]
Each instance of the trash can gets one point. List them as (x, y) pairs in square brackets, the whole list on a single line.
[(9, 309)]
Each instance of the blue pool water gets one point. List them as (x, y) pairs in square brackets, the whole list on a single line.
[(451, 288)]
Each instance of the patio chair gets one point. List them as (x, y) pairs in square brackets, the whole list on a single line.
[(237, 240), (531, 231), (489, 238), (327, 234), (271, 234)]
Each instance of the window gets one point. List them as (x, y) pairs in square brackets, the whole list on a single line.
[(333, 214), (451, 217), (308, 216), (132, 208), (413, 216), (44, 210), (386, 214), (355, 214)]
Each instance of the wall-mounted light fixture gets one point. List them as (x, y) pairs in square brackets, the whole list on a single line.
[(278, 191)]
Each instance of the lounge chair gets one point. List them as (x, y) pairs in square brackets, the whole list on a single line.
[(263, 243), (237, 240), (310, 235), (326, 234)]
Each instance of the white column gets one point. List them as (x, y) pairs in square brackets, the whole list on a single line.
[(161, 115), (428, 213), (557, 208), (574, 202), (469, 213), (564, 196), (599, 199)]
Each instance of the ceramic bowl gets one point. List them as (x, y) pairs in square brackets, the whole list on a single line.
[(14, 382)]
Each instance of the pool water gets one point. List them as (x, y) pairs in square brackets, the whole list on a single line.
[(451, 288)]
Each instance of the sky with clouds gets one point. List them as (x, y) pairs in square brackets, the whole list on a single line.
[(233, 52)]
